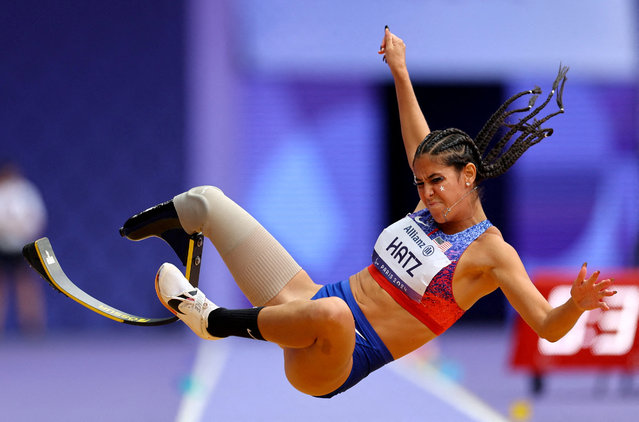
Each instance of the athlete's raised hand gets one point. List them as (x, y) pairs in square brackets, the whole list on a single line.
[(394, 51), (587, 293)]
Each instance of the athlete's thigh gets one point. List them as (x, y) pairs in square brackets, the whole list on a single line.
[(301, 286), (326, 364)]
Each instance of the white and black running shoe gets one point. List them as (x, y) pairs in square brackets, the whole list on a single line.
[(187, 302)]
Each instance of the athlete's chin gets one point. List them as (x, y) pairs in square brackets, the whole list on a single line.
[(437, 212), (439, 218)]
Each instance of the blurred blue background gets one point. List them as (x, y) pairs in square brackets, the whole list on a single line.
[(112, 107)]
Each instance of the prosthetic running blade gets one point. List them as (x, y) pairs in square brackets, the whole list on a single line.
[(41, 258)]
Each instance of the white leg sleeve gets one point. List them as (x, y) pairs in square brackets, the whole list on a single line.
[(260, 266)]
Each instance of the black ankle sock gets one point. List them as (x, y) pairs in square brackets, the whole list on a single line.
[(234, 322)]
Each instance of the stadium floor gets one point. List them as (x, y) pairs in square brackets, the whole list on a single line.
[(167, 374)]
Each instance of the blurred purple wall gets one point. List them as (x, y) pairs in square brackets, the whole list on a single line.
[(93, 111)]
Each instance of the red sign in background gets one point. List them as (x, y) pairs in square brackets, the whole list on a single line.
[(599, 340)]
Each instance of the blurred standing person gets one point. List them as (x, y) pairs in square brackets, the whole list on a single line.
[(22, 218)]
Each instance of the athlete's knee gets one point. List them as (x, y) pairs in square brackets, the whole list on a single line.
[(207, 193), (195, 205), (201, 199), (332, 316)]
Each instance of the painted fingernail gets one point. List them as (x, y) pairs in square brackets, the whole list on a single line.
[(386, 27)]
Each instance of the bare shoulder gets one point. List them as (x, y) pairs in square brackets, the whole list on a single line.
[(493, 251), (482, 267)]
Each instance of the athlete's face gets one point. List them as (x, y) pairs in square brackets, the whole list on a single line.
[(440, 187)]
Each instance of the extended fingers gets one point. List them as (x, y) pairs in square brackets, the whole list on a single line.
[(604, 284), (581, 277), (593, 278), (582, 274), (588, 290), (385, 40), (603, 292), (602, 289)]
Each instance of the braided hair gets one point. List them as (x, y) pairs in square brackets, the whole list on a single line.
[(494, 158)]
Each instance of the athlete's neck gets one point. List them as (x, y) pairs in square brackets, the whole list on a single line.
[(463, 218)]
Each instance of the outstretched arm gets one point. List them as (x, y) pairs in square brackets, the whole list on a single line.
[(586, 294), (548, 322), (412, 120)]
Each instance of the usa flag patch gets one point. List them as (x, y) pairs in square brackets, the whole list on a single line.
[(442, 244)]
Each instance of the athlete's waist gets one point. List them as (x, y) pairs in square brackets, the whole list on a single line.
[(397, 327)]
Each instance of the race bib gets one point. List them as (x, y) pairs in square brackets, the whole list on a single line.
[(408, 258)]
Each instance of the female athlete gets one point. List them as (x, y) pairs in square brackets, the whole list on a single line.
[(427, 269)]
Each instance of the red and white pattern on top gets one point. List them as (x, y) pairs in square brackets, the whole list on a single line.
[(437, 308)]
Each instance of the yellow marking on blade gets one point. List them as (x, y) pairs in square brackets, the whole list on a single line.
[(189, 258), (86, 305)]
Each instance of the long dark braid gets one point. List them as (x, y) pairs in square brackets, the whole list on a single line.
[(458, 149)]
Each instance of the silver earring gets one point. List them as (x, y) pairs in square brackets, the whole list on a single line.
[(467, 183)]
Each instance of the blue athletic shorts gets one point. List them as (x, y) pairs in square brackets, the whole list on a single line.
[(370, 353)]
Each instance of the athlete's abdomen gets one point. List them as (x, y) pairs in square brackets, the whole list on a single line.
[(399, 330)]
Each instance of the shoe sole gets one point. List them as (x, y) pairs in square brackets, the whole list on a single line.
[(157, 291)]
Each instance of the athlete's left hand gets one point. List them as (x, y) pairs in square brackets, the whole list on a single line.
[(587, 294)]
